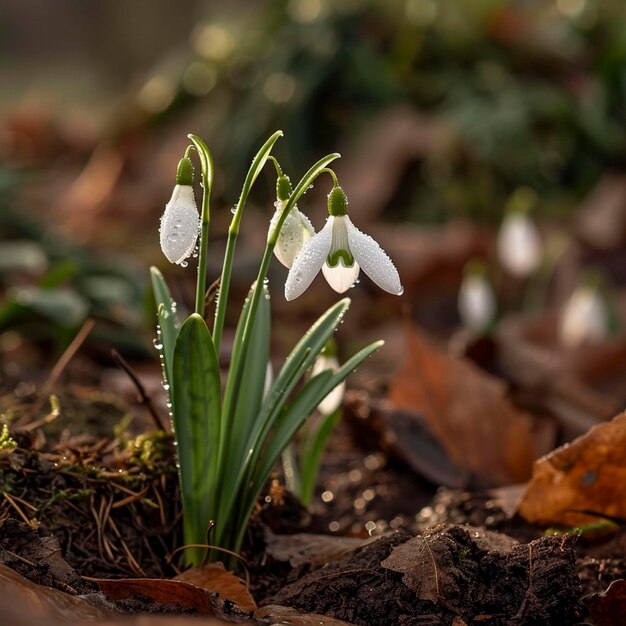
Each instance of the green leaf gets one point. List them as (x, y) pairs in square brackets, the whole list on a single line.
[(196, 403), (292, 418), (64, 306), (167, 320), (290, 421), (297, 363), (248, 396), (311, 450)]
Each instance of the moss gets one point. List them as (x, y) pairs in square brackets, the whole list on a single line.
[(7, 443)]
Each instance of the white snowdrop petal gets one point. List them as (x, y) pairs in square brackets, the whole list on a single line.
[(308, 262), (178, 231), (373, 260), (340, 277), (295, 232), (519, 245), (290, 240), (309, 231)]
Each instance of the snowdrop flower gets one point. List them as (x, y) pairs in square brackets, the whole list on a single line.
[(476, 301), (296, 230), (327, 360), (585, 316), (340, 250), (519, 244), (179, 223)]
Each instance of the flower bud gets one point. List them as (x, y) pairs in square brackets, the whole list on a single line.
[(337, 202), (178, 231)]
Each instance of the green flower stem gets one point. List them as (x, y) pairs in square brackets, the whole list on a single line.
[(206, 162), (233, 233), (333, 175)]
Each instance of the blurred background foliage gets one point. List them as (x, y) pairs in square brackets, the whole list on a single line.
[(454, 104)]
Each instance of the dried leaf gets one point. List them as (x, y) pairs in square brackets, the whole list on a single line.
[(275, 615), (307, 548), (468, 412), (588, 474), (213, 577), (429, 562), (41, 602), (209, 590), (609, 607)]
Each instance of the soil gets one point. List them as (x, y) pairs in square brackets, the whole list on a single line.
[(78, 507)]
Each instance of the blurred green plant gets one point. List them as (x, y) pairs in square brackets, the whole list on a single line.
[(50, 287), (533, 93)]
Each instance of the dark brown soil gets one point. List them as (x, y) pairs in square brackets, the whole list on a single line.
[(90, 507), (534, 584)]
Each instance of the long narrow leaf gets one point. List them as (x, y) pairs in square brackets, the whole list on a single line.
[(196, 420), (292, 418), (296, 413), (167, 320), (300, 359), (245, 397), (297, 363), (311, 452)]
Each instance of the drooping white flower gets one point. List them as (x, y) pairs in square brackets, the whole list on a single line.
[(476, 300), (178, 231), (341, 250), (519, 244), (334, 399), (585, 318), (295, 232)]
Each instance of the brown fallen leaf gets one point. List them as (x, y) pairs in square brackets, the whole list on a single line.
[(467, 410), (429, 562), (609, 607), (308, 548), (36, 604), (274, 615), (588, 474), (481, 575), (214, 577), (209, 590)]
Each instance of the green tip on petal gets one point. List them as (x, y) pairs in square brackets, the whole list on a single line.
[(184, 173), (337, 202), (283, 188)]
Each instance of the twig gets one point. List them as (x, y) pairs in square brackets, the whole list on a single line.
[(18, 510), (61, 364), (144, 396)]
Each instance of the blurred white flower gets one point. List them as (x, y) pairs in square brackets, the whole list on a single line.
[(295, 232), (340, 250), (476, 302), (334, 399), (519, 244), (585, 318)]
